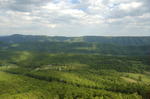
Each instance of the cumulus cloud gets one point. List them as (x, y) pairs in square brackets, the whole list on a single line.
[(75, 17), (130, 6)]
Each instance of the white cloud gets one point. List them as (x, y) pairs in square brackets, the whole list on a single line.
[(130, 6), (85, 17)]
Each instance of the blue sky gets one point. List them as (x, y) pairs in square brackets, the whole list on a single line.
[(75, 17)]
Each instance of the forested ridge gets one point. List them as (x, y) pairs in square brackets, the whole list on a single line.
[(42, 67), (121, 40), (88, 44)]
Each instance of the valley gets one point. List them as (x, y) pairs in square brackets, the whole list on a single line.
[(35, 69)]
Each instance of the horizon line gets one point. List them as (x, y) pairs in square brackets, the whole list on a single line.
[(77, 36)]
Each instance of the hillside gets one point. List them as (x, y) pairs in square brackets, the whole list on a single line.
[(88, 45), (45, 75), (16, 38), (42, 67)]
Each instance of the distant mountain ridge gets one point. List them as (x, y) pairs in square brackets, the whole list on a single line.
[(16, 38), (136, 46)]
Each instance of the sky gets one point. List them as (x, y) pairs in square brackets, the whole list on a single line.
[(75, 17)]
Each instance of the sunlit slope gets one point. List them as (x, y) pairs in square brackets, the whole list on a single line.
[(43, 75), (33, 87), (24, 87)]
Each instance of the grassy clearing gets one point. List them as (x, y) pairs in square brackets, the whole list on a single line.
[(144, 78), (129, 80)]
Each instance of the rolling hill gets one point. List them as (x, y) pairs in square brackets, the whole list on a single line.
[(91, 44), (43, 67)]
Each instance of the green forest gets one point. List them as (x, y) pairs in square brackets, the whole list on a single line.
[(42, 67)]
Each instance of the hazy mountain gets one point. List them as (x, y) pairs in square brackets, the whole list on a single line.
[(98, 39), (86, 44)]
